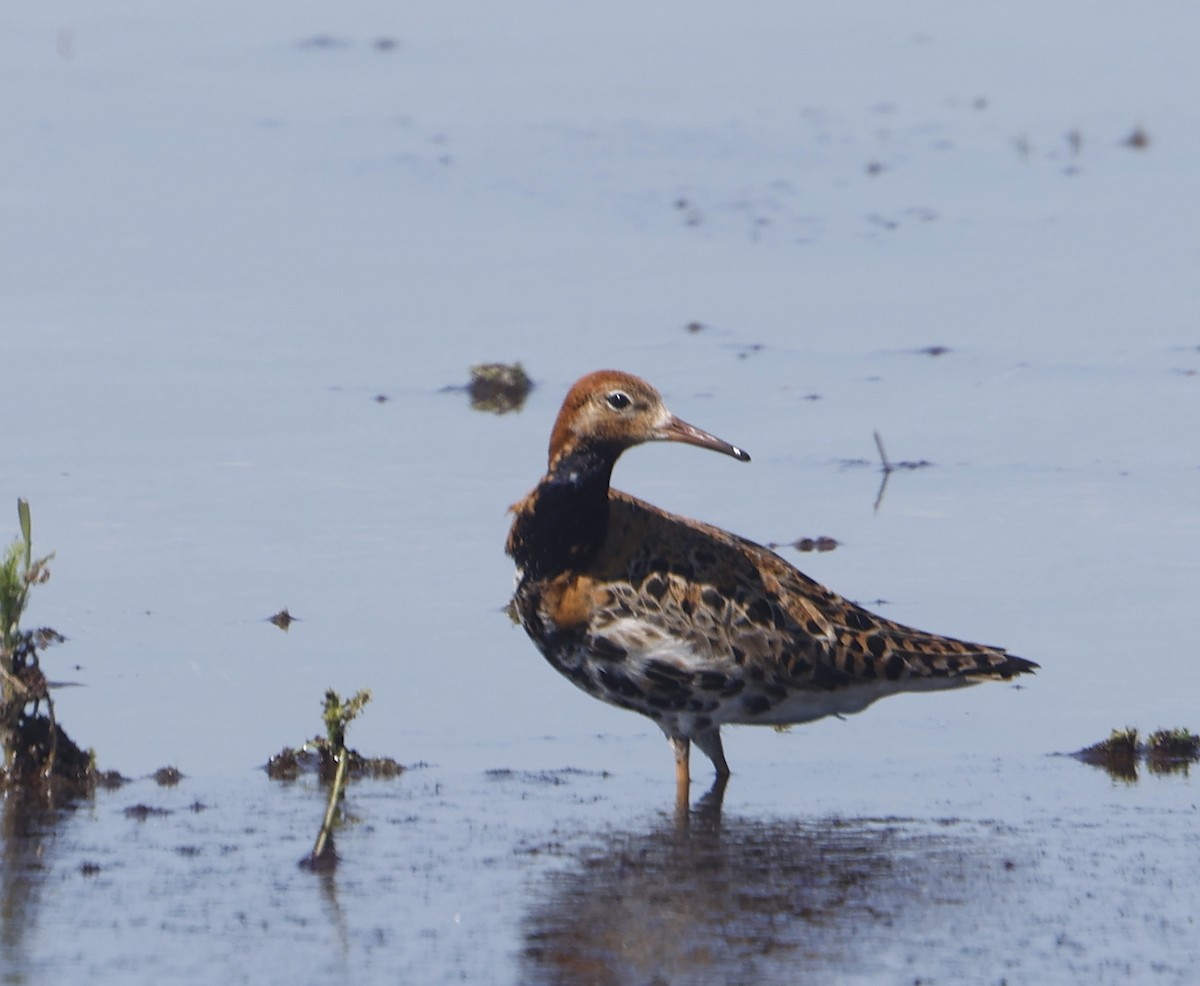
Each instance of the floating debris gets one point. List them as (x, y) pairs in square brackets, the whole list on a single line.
[(283, 619), (110, 780), (141, 812), (167, 776), (821, 543), (323, 41), (290, 762), (1167, 751), (1138, 139), (498, 387)]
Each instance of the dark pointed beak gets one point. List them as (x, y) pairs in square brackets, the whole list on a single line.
[(680, 431)]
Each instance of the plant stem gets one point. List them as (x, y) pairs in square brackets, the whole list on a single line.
[(335, 793)]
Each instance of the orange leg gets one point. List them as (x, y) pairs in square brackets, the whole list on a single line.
[(681, 746)]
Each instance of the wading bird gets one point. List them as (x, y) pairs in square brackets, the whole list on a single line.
[(684, 622)]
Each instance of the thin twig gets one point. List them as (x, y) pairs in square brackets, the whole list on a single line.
[(887, 465), (882, 487), (887, 470)]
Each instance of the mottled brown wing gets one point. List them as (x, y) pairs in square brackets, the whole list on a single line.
[(870, 646), (764, 611), (714, 591)]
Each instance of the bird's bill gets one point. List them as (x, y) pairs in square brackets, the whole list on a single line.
[(676, 430)]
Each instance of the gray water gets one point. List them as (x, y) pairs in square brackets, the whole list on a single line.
[(224, 233)]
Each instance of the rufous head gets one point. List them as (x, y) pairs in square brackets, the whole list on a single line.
[(614, 410)]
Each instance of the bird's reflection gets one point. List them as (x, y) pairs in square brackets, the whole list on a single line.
[(706, 897)]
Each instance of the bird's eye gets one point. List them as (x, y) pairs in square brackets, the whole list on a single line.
[(618, 400)]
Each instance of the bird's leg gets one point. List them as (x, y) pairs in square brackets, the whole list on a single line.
[(681, 746), (710, 745)]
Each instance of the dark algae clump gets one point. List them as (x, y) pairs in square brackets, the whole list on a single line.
[(1167, 751), (498, 387)]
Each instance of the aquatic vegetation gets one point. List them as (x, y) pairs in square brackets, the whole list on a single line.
[(1171, 751), (1122, 742), (338, 715), (36, 748), (321, 754), (1167, 751), (1117, 754), (19, 572), (332, 761)]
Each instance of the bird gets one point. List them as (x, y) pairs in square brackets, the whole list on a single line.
[(686, 623)]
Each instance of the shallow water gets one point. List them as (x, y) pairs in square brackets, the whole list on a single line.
[(221, 244), (1018, 869)]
